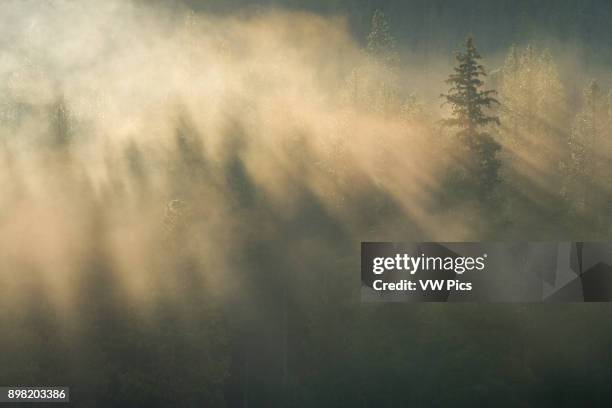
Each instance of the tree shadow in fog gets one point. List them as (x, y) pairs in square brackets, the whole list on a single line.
[(295, 281)]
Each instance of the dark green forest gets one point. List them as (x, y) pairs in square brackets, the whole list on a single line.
[(184, 188)]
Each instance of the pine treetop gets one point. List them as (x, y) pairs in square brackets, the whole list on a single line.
[(380, 41), (465, 96)]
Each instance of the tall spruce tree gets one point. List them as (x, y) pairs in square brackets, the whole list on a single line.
[(469, 102)]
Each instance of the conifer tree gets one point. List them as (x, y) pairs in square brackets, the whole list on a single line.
[(592, 121), (380, 41), (375, 84), (589, 136), (534, 114), (469, 102)]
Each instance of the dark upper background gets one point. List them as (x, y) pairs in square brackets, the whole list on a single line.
[(426, 25)]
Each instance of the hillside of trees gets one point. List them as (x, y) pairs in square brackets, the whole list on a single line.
[(182, 198)]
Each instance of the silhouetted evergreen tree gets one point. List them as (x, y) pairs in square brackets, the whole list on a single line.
[(468, 102)]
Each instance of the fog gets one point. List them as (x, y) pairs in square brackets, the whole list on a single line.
[(111, 112), (168, 173)]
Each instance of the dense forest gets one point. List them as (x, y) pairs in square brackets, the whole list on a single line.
[(184, 188)]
